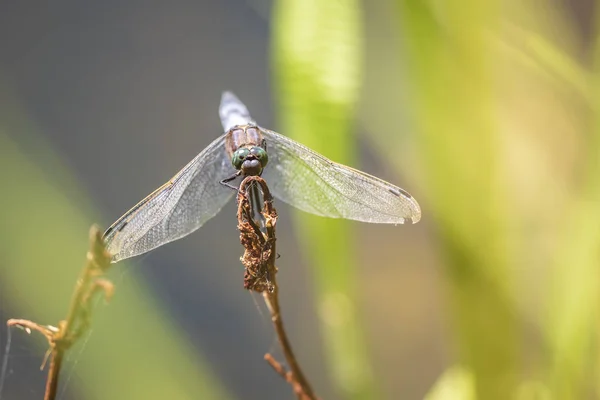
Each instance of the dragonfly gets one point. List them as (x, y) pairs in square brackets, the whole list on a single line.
[(294, 174)]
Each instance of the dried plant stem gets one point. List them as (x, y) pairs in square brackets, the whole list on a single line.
[(259, 262), (53, 372), (296, 377), (61, 338)]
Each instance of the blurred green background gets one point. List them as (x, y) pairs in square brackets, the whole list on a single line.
[(486, 111)]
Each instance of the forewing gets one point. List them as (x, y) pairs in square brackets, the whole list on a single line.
[(312, 183), (177, 208)]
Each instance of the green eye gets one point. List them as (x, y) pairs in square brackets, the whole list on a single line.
[(260, 154), (239, 156)]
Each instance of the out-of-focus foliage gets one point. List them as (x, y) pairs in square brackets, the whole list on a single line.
[(458, 138), (455, 383), (491, 110), (317, 58)]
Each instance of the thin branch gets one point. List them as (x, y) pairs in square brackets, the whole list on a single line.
[(260, 276), (287, 375), (61, 338)]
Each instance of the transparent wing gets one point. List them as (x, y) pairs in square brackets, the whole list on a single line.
[(177, 208), (312, 183)]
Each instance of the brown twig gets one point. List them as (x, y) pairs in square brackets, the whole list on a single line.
[(287, 375), (260, 276), (61, 338)]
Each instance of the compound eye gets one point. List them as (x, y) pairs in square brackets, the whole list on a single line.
[(260, 154), (239, 156)]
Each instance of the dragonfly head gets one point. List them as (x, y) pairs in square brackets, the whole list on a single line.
[(250, 161)]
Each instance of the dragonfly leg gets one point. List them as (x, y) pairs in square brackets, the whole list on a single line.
[(225, 182), (256, 205)]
